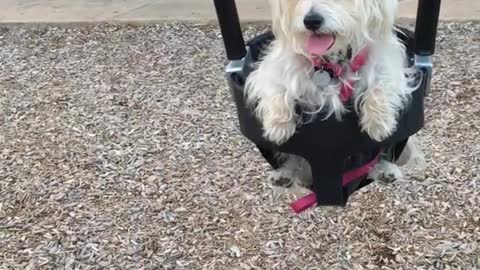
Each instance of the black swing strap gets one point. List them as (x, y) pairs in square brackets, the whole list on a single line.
[(426, 26), (230, 27)]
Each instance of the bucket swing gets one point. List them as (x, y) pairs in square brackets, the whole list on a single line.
[(340, 166)]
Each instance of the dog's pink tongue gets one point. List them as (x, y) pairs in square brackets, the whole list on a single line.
[(319, 44)]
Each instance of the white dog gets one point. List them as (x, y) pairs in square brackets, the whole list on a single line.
[(325, 53)]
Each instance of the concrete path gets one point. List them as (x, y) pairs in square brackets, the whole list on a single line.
[(144, 11)]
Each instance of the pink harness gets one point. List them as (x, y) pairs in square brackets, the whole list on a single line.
[(346, 92)]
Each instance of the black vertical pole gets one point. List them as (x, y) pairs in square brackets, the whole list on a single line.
[(230, 27), (428, 13)]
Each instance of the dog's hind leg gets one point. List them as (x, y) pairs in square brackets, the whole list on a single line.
[(412, 155), (386, 172), (294, 171)]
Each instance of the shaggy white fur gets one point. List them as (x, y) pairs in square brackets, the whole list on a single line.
[(284, 75)]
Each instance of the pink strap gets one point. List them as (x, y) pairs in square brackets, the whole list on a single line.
[(346, 92), (310, 200), (359, 60), (304, 203), (350, 176), (336, 68)]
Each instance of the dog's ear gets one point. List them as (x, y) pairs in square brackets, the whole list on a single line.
[(378, 17)]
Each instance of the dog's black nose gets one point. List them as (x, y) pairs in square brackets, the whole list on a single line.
[(313, 21)]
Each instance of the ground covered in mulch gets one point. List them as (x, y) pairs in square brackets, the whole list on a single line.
[(119, 149)]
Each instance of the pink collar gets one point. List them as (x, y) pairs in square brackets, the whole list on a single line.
[(346, 92)]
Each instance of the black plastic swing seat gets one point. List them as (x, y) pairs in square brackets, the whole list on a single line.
[(327, 134), (331, 147)]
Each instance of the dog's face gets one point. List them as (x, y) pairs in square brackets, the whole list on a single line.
[(324, 27)]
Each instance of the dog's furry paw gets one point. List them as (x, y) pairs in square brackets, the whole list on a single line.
[(378, 127), (378, 118), (279, 132), (387, 177), (280, 178), (386, 172)]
